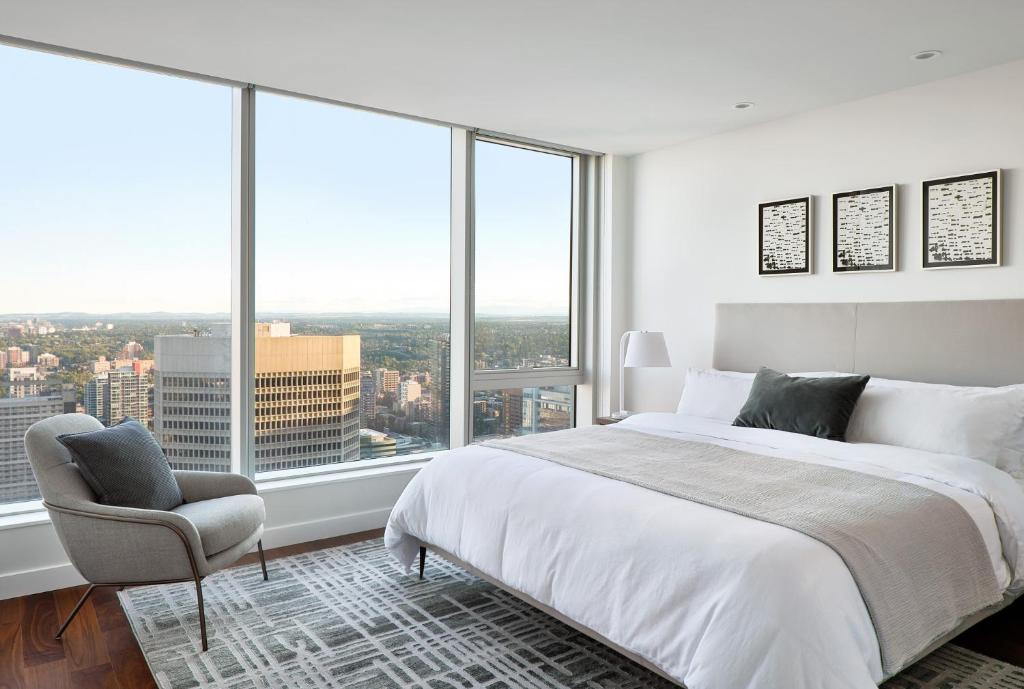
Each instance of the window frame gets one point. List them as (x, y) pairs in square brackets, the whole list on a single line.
[(580, 228), (465, 378)]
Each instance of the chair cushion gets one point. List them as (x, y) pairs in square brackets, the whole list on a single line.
[(224, 522), (124, 466)]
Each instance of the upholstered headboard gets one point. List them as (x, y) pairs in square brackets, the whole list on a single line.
[(956, 342)]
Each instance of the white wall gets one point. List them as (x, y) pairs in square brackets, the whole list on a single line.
[(695, 209)]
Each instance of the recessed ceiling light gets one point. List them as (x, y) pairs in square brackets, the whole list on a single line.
[(743, 105), (926, 55)]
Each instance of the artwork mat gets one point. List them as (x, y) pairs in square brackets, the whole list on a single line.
[(997, 216), (808, 233), (894, 233)]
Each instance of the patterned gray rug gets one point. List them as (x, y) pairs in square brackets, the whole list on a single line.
[(350, 618)]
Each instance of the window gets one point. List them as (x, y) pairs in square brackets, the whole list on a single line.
[(266, 281), (523, 243), (115, 223), (525, 296), (511, 412), (352, 284)]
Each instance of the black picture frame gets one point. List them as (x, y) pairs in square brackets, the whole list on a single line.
[(931, 258), (841, 264), (763, 266)]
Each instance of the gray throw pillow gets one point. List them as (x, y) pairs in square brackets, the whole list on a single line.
[(820, 407), (125, 466)]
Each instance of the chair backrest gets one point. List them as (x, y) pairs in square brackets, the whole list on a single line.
[(60, 481)]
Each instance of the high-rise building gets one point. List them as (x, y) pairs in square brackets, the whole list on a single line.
[(307, 400), (192, 400), (113, 395), (17, 483), (100, 365), (307, 392), (387, 380), (408, 391), (367, 398), (3, 359), (440, 385), (25, 381), (16, 356), (511, 422)]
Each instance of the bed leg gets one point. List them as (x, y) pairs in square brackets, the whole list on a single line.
[(423, 559)]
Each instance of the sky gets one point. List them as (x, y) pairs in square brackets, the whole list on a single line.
[(115, 196)]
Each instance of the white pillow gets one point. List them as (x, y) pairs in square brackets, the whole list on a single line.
[(713, 394), (982, 423), (720, 395)]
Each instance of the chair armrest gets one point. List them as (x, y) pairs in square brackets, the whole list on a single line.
[(196, 486), (125, 544)]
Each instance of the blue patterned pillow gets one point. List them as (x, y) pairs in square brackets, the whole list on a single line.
[(125, 466)]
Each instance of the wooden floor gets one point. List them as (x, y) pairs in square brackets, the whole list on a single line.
[(99, 650)]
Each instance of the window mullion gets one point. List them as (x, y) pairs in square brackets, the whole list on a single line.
[(243, 315), (460, 404)]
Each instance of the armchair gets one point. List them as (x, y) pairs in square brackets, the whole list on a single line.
[(220, 520)]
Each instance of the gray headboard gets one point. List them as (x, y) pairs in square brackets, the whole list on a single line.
[(956, 342)]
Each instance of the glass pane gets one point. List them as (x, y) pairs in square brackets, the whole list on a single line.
[(521, 411), (116, 222), (352, 284), (523, 243)]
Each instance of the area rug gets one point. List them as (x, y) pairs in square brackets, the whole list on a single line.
[(351, 618)]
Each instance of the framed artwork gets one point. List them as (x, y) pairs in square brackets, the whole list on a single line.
[(784, 237), (864, 230), (961, 224)]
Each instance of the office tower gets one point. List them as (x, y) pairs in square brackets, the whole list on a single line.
[(100, 365), (367, 398), (440, 384), (113, 395), (307, 396), (192, 400), (16, 415), (3, 359), (307, 400)]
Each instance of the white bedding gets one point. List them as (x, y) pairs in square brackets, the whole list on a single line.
[(714, 599)]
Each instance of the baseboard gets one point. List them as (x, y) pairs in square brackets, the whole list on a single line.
[(315, 529), (29, 581), (62, 575)]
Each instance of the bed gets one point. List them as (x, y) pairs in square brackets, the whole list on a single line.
[(707, 597)]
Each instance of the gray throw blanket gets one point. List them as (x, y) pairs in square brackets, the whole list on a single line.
[(916, 555)]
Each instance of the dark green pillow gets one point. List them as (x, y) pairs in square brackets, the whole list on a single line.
[(124, 466), (820, 407)]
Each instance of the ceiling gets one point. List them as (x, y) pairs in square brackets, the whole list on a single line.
[(614, 76)]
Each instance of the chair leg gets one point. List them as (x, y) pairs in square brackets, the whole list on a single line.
[(78, 606), (423, 560), (263, 560), (202, 612)]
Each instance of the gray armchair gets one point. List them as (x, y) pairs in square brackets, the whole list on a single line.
[(220, 521)]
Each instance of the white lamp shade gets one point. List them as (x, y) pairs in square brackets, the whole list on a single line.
[(646, 349)]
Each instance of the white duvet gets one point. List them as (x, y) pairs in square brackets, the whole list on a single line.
[(714, 599)]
